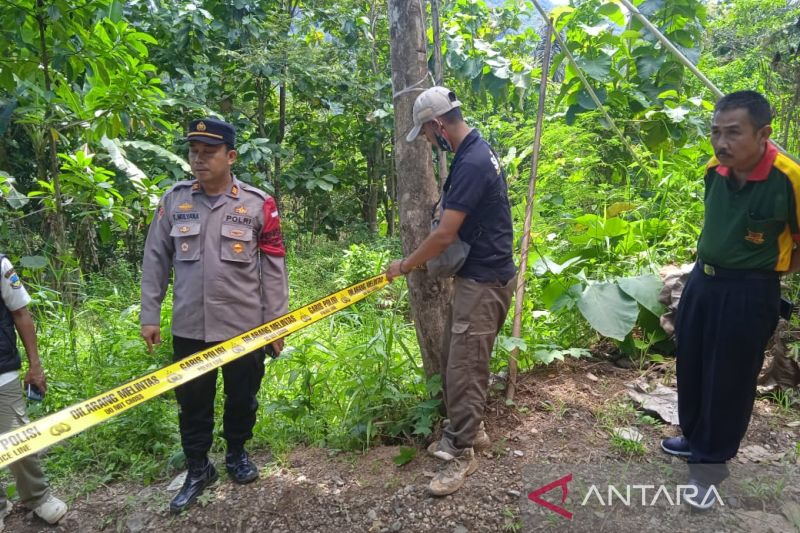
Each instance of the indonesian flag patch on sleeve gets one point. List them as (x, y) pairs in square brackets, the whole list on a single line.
[(271, 240)]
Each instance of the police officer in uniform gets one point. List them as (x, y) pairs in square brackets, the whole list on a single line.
[(222, 239), (32, 486)]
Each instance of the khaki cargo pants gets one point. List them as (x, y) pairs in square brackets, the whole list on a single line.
[(32, 486), (476, 313)]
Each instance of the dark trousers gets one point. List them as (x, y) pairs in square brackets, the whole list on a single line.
[(241, 379), (723, 326)]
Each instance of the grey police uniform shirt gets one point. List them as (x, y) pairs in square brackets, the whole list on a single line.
[(223, 283)]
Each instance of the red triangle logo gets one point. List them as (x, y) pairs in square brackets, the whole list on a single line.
[(536, 496)]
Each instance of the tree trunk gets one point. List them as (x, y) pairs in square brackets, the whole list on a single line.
[(369, 197), (57, 220), (390, 199), (263, 88), (276, 183), (416, 186)]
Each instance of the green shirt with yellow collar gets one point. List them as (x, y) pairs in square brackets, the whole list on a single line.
[(756, 226)]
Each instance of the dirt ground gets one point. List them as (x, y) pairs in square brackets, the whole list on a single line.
[(564, 421)]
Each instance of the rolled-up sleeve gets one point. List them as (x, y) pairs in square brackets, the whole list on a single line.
[(156, 265), (274, 275)]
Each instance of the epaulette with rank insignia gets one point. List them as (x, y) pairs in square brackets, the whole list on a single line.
[(249, 188), (183, 183)]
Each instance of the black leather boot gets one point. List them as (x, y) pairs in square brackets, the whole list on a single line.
[(201, 474), (240, 467)]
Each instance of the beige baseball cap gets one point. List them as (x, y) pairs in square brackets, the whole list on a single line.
[(432, 103)]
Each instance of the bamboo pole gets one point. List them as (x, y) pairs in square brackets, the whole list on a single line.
[(687, 63), (526, 232)]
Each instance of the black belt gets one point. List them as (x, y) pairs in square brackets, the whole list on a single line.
[(729, 273)]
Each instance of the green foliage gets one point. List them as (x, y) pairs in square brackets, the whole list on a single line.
[(355, 378), (363, 388), (629, 70), (94, 98), (86, 350), (405, 456)]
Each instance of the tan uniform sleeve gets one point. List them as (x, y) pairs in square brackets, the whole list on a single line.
[(156, 265), (274, 286)]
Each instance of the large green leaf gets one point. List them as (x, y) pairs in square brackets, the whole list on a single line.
[(648, 65), (471, 68), (115, 11), (648, 8), (117, 155), (497, 86), (598, 68), (567, 300), (585, 99), (609, 310), (160, 152), (15, 199), (34, 262), (613, 12), (545, 265), (554, 290), (645, 290), (654, 132)]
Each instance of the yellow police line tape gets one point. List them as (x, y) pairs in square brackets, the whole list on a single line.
[(70, 421)]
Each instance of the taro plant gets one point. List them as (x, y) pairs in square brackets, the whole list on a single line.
[(625, 309)]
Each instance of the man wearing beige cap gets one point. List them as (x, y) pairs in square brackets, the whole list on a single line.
[(475, 209)]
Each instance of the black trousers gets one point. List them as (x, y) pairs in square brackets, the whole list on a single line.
[(724, 323), (241, 379)]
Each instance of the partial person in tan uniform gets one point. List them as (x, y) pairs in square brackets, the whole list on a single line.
[(222, 240), (15, 318)]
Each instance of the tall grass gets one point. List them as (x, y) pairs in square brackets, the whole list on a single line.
[(347, 382)]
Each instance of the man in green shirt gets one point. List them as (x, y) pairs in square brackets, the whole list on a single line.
[(730, 305)]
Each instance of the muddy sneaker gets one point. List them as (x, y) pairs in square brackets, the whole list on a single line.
[(702, 497), (677, 446), (51, 510), (451, 476), (481, 443), (4, 513)]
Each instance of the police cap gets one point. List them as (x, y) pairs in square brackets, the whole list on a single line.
[(212, 131)]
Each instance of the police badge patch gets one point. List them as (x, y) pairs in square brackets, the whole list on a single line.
[(13, 279)]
